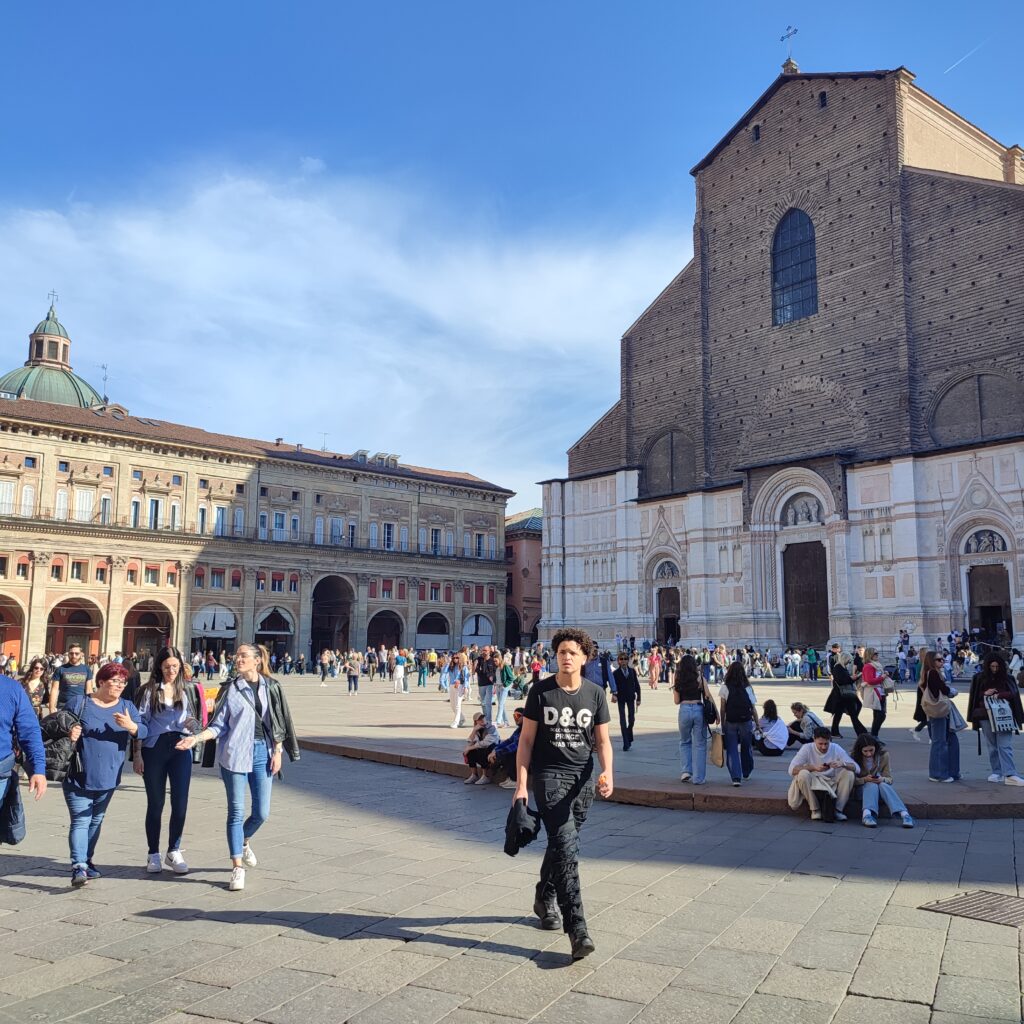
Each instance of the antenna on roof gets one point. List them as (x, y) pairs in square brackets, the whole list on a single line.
[(323, 447)]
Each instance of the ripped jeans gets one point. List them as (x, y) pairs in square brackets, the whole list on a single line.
[(563, 800)]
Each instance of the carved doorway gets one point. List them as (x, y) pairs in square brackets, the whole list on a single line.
[(805, 581), (989, 596), (668, 615)]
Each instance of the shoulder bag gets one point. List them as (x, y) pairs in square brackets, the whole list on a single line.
[(1000, 715), (716, 749), (710, 711)]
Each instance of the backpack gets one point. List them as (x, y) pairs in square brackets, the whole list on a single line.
[(737, 705)]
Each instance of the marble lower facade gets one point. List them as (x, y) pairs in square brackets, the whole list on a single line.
[(796, 554)]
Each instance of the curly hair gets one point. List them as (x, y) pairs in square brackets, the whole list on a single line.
[(576, 636)]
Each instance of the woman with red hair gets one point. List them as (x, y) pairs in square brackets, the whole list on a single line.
[(106, 724)]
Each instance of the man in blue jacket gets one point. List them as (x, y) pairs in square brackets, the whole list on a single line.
[(17, 719), (504, 754)]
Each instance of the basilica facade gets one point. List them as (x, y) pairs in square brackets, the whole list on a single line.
[(122, 532), (820, 428)]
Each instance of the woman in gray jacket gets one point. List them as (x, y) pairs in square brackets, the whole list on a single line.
[(252, 725)]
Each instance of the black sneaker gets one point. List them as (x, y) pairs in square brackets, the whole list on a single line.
[(582, 945), (79, 876), (550, 918)]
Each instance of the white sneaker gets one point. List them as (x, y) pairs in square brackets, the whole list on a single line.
[(485, 781), (469, 781), (237, 883), (840, 816), (915, 736), (507, 784), (153, 865), (176, 862), (995, 777), (248, 858), (685, 777), (1013, 780)]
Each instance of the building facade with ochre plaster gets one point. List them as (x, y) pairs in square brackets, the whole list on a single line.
[(121, 532), (820, 423)]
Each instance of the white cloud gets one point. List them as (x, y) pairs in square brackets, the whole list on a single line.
[(382, 315)]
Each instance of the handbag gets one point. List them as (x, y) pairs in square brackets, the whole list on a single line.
[(12, 811), (1000, 715), (716, 754), (710, 711), (935, 707)]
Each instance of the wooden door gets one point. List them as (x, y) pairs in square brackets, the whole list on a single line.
[(805, 579)]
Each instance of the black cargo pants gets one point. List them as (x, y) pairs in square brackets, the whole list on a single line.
[(563, 801)]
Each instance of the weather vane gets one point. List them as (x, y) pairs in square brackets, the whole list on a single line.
[(788, 38)]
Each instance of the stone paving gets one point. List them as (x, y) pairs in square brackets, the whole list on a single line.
[(383, 895)]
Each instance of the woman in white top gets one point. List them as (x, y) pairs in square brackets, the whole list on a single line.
[(774, 733)]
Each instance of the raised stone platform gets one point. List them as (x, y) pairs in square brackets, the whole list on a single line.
[(411, 730)]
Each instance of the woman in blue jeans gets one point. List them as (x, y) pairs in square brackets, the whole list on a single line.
[(738, 702), (171, 706), (994, 680), (934, 699), (106, 724), (688, 692), (253, 725)]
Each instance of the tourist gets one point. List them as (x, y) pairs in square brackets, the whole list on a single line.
[(211, 665), (35, 679), (444, 678), (689, 691), (503, 756), (801, 729), (873, 689), (326, 657), (874, 779), (994, 681), (654, 668), (170, 706), (486, 674), (352, 670), (821, 766), (458, 687), (253, 726), (505, 676), (772, 736), (482, 740), (737, 704), (935, 702), (106, 724), (626, 692), (71, 681), (396, 667), (565, 721), (842, 699)]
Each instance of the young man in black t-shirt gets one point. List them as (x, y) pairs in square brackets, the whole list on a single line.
[(565, 720)]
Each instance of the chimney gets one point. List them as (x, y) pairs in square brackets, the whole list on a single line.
[(278, 440)]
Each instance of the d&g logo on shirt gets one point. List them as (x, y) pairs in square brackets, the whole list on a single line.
[(581, 719)]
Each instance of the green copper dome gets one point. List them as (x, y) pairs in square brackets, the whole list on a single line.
[(50, 384), (51, 325)]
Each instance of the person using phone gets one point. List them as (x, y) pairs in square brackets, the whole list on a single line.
[(874, 779), (171, 706), (564, 722)]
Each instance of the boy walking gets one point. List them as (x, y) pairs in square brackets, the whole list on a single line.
[(565, 720)]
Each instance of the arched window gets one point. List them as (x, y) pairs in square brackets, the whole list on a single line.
[(670, 466), (794, 269)]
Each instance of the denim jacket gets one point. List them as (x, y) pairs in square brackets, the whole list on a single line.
[(234, 722)]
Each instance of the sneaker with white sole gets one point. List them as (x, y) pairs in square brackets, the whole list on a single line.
[(153, 865), (484, 781), (507, 784), (176, 862), (685, 777), (1013, 780), (995, 777), (248, 857), (869, 820), (840, 816), (906, 820), (469, 780), (237, 883), (916, 736)]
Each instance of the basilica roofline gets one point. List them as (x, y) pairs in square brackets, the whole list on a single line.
[(114, 420)]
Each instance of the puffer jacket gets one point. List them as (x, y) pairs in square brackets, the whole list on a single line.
[(56, 729)]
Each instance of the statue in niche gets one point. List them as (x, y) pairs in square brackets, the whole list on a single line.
[(985, 542), (802, 510)]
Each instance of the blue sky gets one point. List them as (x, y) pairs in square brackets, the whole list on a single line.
[(420, 227)]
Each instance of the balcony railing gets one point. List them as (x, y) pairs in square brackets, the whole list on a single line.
[(264, 535)]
